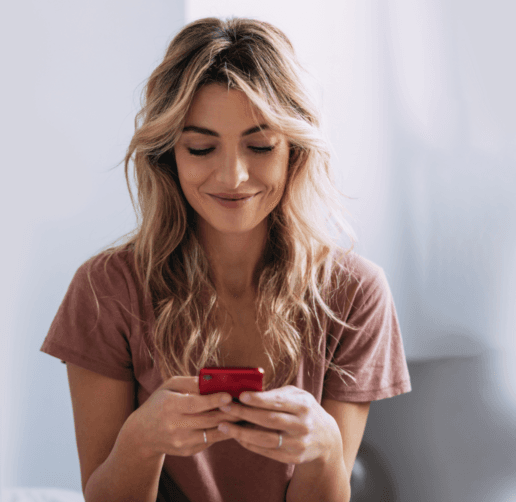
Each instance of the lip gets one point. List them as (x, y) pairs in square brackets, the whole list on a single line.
[(232, 195), (233, 204)]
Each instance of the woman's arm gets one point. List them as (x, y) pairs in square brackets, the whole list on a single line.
[(114, 466), (126, 475)]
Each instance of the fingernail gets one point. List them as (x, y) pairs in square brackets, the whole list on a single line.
[(245, 398), (223, 428), (225, 408)]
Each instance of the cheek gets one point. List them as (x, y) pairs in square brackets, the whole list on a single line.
[(187, 184), (278, 176), (188, 174)]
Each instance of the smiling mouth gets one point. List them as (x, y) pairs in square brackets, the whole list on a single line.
[(241, 198)]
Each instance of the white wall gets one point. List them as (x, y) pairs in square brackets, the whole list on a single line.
[(71, 77)]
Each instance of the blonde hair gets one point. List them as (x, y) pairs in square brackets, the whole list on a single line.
[(301, 268)]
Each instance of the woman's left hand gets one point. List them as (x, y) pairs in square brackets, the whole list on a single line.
[(308, 431)]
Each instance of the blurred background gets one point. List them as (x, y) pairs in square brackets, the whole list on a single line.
[(418, 103)]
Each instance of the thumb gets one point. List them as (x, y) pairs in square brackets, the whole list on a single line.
[(182, 384)]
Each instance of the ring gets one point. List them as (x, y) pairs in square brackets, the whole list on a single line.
[(205, 438), (280, 441)]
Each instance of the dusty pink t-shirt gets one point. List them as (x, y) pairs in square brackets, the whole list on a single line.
[(118, 345)]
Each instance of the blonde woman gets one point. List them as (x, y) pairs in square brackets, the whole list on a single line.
[(203, 281)]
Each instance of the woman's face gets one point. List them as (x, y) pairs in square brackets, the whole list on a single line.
[(232, 162)]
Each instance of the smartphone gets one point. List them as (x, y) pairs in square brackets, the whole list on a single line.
[(230, 379)]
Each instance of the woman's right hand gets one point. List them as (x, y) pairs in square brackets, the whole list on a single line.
[(173, 419)]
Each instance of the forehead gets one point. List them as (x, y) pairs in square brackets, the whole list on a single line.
[(216, 105)]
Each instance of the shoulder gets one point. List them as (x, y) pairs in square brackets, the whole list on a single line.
[(360, 278), (115, 259), (111, 272), (113, 263)]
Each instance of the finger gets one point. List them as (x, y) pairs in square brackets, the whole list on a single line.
[(213, 435), (273, 453), (193, 385), (182, 384), (195, 403), (191, 400), (264, 438), (264, 418), (275, 399)]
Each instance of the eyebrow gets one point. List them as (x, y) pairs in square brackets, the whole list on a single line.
[(202, 130)]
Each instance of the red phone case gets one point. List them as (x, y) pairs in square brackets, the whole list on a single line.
[(230, 379)]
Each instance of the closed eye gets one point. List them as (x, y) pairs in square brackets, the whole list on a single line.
[(256, 149)]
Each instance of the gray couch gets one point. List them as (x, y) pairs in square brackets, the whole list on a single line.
[(452, 439)]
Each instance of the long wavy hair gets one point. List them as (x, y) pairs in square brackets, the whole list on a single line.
[(303, 264)]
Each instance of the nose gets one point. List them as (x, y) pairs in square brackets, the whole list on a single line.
[(232, 171)]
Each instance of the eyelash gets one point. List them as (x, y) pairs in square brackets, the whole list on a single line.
[(256, 149)]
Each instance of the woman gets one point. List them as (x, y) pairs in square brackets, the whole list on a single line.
[(207, 282)]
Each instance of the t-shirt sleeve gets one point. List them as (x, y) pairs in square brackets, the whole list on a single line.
[(374, 353), (93, 332)]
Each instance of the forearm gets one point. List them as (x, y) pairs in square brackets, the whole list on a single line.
[(126, 475), (323, 479)]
